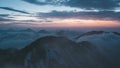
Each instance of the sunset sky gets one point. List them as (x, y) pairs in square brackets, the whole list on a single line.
[(60, 13)]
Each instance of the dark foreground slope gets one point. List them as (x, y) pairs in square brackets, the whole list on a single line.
[(58, 52)]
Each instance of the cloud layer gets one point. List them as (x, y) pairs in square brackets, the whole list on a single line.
[(8, 18), (50, 16), (101, 15), (86, 4), (94, 4)]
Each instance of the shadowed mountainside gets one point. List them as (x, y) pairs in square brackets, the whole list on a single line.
[(58, 52)]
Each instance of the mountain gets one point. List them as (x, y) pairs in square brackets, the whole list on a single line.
[(67, 33), (117, 33), (106, 42), (19, 38), (27, 30), (91, 33), (96, 33), (100, 38), (7, 30), (16, 38), (44, 31), (95, 49), (59, 52)]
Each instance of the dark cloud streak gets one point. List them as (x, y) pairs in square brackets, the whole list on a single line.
[(15, 10), (4, 15)]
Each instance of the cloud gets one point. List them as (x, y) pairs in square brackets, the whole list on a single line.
[(31, 21), (94, 4), (101, 15), (15, 10), (5, 19), (13, 19), (46, 2), (86, 4), (4, 15)]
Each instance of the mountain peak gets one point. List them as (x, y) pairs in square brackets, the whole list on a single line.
[(91, 33), (49, 40), (43, 31)]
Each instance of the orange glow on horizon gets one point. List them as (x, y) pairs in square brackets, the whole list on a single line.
[(80, 23)]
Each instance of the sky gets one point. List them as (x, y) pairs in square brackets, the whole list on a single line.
[(60, 13)]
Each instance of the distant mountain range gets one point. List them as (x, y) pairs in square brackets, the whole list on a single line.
[(19, 38), (94, 49), (96, 33)]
